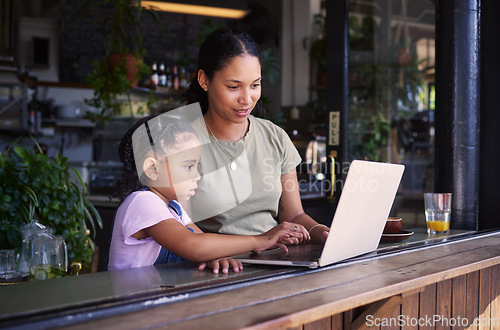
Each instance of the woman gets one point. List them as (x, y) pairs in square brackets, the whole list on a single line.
[(249, 180)]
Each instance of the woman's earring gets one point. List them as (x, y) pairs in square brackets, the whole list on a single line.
[(205, 89)]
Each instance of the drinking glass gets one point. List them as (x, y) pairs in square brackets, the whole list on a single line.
[(437, 212), (7, 264)]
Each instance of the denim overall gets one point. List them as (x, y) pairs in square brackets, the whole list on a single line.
[(166, 256)]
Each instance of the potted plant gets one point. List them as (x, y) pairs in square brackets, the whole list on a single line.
[(122, 66), (34, 186), (112, 85)]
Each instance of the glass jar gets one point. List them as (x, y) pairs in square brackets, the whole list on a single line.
[(49, 258)]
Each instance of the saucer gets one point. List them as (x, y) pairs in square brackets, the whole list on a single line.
[(389, 238)]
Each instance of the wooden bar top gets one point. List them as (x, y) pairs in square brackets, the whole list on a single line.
[(265, 298), (292, 301)]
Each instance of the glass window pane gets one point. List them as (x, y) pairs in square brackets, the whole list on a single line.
[(391, 93)]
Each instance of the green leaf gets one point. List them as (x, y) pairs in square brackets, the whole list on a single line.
[(22, 153), (54, 204), (92, 225), (94, 212), (3, 160), (26, 214), (32, 195), (80, 180), (6, 198)]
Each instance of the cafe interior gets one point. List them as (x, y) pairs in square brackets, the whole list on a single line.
[(408, 82)]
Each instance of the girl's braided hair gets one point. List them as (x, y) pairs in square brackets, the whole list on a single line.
[(171, 135)]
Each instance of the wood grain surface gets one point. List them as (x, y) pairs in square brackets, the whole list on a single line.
[(322, 299)]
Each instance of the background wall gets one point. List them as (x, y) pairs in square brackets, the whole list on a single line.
[(74, 51), (71, 52)]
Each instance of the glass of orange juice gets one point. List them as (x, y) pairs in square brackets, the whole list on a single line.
[(437, 212)]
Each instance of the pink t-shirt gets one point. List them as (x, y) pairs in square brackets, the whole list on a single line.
[(139, 210)]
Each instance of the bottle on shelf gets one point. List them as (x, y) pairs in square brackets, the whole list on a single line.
[(35, 116), (170, 79), (154, 75), (32, 121), (183, 78), (176, 79), (162, 76)]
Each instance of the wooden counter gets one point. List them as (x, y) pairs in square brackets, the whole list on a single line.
[(408, 286)]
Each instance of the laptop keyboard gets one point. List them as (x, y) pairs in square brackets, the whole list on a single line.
[(312, 253)]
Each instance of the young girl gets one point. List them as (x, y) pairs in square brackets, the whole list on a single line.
[(160, 157)]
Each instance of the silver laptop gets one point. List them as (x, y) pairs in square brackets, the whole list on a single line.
[(364, 205)]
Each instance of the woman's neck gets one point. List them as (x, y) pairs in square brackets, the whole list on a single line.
[(224, 130)]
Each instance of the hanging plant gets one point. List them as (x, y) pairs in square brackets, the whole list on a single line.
[(119, 21)]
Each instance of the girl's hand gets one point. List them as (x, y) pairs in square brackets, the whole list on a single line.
[(282, 234), (222, 263)]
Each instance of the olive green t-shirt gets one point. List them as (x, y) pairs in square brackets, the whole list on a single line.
[(243, 201)]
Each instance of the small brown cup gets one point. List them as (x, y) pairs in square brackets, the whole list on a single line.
[(393, 225)]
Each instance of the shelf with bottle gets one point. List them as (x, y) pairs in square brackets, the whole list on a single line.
[(170, 80), (160, 92), (13, 102)]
